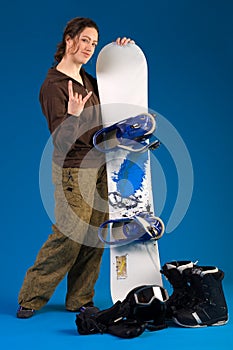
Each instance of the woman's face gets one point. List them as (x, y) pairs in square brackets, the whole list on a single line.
[(82, 47)]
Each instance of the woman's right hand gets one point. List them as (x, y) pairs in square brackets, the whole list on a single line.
[(76, 101)]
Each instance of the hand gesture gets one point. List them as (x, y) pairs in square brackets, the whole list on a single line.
[(76, 101)]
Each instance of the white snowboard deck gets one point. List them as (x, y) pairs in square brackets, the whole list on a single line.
[(123, 87)]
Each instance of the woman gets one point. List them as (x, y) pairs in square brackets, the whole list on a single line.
[(69, 100)]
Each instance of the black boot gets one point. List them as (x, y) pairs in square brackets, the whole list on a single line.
[(182, 294), (208, 307)]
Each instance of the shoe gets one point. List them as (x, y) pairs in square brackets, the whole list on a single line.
[(81, 308), (24, 312), (89, 306)]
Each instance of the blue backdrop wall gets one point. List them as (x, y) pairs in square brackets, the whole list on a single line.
[(189, 48)]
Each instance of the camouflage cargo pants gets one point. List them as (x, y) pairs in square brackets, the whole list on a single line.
[(73, 248)]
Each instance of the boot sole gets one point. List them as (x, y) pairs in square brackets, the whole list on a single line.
[(218, 323)]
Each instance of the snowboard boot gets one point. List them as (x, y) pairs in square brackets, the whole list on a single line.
[(208, 306), (182, 294)]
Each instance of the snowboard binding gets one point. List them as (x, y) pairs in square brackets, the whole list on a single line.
[(141, 228), (129, 134)]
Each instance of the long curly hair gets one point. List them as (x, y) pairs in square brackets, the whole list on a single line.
[(73, 28)]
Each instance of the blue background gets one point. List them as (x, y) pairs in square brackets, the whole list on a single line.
[(189, 49)]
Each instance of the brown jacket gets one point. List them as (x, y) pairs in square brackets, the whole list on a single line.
[(72, 136)]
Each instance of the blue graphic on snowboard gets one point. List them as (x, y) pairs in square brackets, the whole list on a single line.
[(130, 177)]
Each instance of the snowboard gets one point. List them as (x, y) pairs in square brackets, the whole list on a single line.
[(122, 77)]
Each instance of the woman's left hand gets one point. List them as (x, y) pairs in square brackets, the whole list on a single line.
[(124, 41)]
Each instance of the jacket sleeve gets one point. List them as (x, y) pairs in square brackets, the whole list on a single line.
[(63, 127)]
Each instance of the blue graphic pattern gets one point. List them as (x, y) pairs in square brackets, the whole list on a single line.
[(130, 176)]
